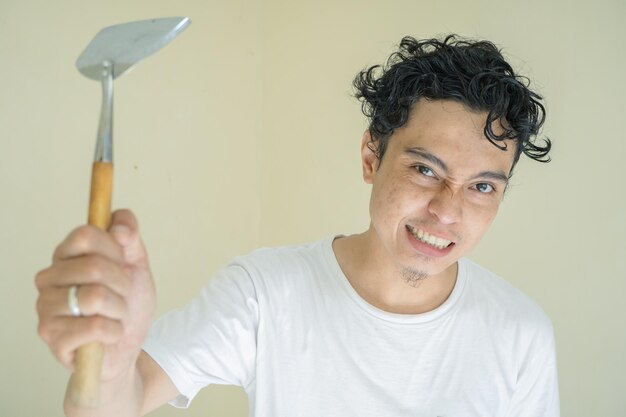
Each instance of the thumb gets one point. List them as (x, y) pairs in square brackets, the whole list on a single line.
[(124, 229)]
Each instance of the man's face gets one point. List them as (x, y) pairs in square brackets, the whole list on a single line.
[(437, 188)]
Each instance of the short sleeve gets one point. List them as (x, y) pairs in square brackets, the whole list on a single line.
[(537, 390), (211, 340)]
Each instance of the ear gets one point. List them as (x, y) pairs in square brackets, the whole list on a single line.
[(369, 159)]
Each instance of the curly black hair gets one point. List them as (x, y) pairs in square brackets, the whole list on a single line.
[(472, 72)]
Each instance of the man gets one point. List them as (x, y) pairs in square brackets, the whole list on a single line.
[(390, 322)]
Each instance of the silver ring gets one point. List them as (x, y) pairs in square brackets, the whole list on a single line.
[(72, 301)]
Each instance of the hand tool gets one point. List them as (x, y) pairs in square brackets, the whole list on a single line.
[(111, 53)]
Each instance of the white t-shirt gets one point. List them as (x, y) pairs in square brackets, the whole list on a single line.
[(287, 326)]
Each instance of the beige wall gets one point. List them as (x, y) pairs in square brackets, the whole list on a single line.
[(242, 133)]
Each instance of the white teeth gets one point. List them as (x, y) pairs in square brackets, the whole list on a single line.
[(435, 241)]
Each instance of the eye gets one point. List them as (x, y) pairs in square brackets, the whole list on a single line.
[(484, 188), (424, 170)]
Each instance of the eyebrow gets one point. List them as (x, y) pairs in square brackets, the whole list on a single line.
[(493, 175), (424, 154)]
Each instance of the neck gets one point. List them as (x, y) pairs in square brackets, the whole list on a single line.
[(387, 286)]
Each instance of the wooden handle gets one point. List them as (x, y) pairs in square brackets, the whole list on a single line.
[(85, 383), (100, 197)]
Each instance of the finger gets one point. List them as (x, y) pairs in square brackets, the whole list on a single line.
[(66, 334), (88, 269), (86, 240), (125, 230), (92, 300), (124, 226)]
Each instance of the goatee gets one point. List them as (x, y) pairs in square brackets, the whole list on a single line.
[(414, 277)]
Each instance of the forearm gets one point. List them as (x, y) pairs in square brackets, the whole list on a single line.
[(120, 397)]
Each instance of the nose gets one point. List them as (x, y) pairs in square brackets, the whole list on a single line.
[(446, 205)]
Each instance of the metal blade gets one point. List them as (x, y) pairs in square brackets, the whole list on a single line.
[(126, 44)]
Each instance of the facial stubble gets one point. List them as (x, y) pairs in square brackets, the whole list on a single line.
[(414, 277)]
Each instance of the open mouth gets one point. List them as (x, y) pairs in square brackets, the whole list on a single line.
[(434, 241)]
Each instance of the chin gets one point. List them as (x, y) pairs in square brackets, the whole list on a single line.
[(428, 267)]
